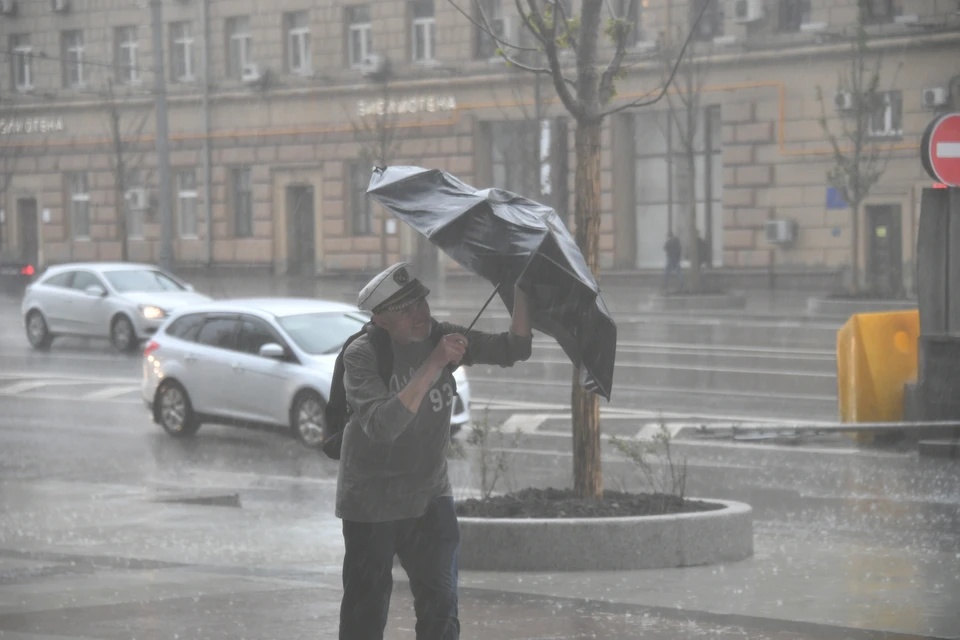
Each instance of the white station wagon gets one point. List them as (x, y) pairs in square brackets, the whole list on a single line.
[(124, 302), (259, 362)]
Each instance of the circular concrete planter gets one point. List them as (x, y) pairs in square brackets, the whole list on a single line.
[(608, 544)]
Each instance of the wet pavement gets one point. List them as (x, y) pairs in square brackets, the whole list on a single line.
[(111, 529)]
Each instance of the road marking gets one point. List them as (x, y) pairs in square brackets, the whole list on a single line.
[(650, 430), (523, 423), (709, 348), (57, 396), (706, 369), (611, 413), (519, 382), (20, 387), (74, 378), (110, 392)]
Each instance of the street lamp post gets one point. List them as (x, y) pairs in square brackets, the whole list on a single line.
[(163, 142)]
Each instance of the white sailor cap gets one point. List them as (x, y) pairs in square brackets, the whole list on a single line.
[(392, 290)]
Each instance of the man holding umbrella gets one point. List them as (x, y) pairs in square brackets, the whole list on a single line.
[(393, 492)]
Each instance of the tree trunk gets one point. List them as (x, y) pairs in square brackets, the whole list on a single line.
[(585, 407), (693, 238)]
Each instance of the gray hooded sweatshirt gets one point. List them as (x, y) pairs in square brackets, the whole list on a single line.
[(393, 462)]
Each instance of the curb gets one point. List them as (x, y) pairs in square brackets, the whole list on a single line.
[(608, 544)]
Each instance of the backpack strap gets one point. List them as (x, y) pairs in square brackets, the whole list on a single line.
[(337, 410)]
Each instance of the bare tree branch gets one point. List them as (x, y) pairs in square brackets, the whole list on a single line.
[(643, 100), (504, 44), (620, 35), (560, 84), (567, 31)]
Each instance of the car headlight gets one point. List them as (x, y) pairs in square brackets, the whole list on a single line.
[(151, 312)]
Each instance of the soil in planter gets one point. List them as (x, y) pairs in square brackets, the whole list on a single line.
[(563, 503)]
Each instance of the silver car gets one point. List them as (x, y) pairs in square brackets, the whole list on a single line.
[(256, 363), (124, 302)]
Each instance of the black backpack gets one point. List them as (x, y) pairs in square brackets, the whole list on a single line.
[(338, 411)]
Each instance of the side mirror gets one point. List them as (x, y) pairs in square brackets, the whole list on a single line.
[(96, 291), (272, 350), (188, 286)]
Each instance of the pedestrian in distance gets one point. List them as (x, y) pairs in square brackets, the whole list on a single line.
[(672, 249)]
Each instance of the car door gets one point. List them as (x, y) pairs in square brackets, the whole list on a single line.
[(90, 312), (52, 297), (261, 386), (208, 365)]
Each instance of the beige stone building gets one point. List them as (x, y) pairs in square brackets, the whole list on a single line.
[(269, 156)]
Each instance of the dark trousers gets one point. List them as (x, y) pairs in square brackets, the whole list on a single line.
[(427, 548)]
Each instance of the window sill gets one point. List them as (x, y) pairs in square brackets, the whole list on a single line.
[(892, 136)]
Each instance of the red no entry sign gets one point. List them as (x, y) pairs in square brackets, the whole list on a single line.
[(940, 149)]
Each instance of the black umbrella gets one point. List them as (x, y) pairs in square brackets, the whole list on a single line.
[(510, 239)]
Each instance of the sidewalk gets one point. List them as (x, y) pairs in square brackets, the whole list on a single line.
[(123, 566), (206, 603)]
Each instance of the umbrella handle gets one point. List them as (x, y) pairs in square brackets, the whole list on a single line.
[(453, 367), (483, 308)]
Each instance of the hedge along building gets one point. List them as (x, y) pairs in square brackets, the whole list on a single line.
[(286, 119)]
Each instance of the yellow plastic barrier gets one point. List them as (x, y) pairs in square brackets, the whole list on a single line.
[(876, 356)]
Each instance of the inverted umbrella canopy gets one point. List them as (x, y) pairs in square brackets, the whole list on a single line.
[(507, 239)]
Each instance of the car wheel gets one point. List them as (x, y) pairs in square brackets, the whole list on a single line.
[(37, 332), (122, 335), (173, 410), (307, 418)]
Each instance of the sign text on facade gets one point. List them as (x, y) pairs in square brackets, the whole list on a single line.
[(30, 125), (415, 104)]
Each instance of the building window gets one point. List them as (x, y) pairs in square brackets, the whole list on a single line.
[(359, 34), (877, 11), (242, 203), (662, 184), (72, 46), (127, 55), (886, 117), (361, 213), (793, 15), (181, 52), (424, 27), (711, 26), (487, 45), (298, 43), (79, 205), (239, 44), (515, 163), (135, 207), (187, 203), (21, 62)]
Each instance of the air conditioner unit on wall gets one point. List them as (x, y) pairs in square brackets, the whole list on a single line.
[(373, 65), (745, 11), (843, 100), (780, 231), (8, 7), (251, 72), (60, 5), (934, 97), (138, 199)]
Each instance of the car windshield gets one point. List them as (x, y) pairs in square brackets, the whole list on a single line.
[(147, 280), (322, 333)]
